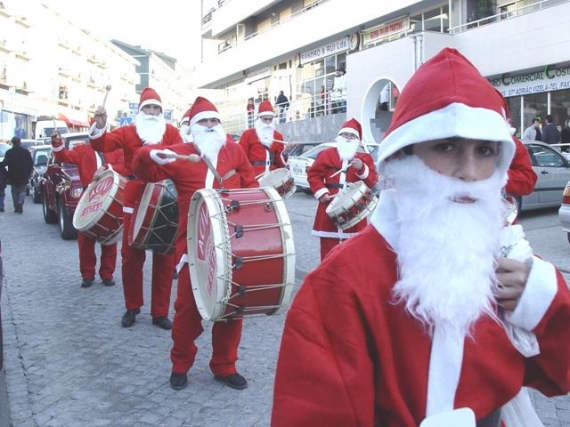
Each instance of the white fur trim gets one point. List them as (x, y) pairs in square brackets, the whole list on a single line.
[(444, 371), (332, 234), (455, 120), (349, 130), (204, 115), (150, 102), (519, 412), (266, 114), (180, 265), (365, 173), (154, 156), (539, 292), (127, 209), (320, 192), (95, 132), (58, 148)]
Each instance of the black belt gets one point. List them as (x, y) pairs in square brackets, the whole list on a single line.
[(259, 163), (334, 185), (130, 177)]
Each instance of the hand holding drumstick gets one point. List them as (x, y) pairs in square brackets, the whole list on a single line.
[(165, 156)]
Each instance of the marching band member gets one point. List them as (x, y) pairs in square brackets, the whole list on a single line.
[(263, 145), (150, 128), (220, 158), (88, 161), (332, 170), (430, 310)]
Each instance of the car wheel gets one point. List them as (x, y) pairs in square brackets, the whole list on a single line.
[(68, 231), (37, 195), (50, 217)]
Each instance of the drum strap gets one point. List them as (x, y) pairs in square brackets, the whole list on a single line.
[(220, 178)]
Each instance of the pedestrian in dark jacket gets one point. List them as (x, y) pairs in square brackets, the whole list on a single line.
[(19, 162), (3, 179), (550, 134)]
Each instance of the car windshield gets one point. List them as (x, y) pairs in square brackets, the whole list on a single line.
[(41, 157)]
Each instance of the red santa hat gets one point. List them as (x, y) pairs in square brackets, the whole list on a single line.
[(202, 109), (149, 97), (448, 97), (265, 109), (186, 117), (352, 126)]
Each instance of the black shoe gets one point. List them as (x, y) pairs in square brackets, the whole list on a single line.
[(178, 381), (109, 282), (234, 381), (86, 283), (129, 318), (162, 322)]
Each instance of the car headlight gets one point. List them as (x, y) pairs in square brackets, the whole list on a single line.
[(76, 192)]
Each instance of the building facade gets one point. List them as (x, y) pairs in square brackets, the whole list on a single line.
[(254, 49)]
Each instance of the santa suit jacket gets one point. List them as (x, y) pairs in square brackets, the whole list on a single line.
[(190, 177), (351, 356), (327, 163), (258, 154), (522, 177), (126, 137), (88, 160)]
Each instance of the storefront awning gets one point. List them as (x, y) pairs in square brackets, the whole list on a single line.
[(72, 122)]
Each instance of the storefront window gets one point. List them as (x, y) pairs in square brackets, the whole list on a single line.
[(515, 109), (534, 105), (560, 106)]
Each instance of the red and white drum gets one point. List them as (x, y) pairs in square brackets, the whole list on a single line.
[(99, 212), (241, 252), (281, 180), (155, 218), (352, 205)]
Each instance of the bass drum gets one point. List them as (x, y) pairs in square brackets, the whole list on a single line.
[(241, 252)]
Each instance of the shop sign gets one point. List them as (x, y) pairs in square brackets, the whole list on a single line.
[(550, 79), (325, 50), (383, 31)]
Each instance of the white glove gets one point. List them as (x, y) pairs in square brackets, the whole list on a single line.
[(154, 155)]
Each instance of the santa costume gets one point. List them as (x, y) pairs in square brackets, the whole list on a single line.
[(329, 175), (385, 331), (188, 178), (88, 161), (130, 140), (262, 144)]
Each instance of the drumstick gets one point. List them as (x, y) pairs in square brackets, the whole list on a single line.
[(337, 172), (107, 89), (194, 158)]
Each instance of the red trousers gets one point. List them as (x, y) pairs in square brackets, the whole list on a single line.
[(187, 326), (132, 270), (88, 258)]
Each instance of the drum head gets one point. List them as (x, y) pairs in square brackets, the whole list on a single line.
[(209, 253), (95, 201), (346, 198), (281, 180)]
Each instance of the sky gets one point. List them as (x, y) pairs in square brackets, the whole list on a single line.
[(168, 26)]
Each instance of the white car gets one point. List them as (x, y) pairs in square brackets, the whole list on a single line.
[(299, 165)]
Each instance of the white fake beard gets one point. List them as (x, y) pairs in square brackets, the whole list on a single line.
[(264, 132), (446, 250), (186, 133), (150, 128), (208, 140), (346, 147)]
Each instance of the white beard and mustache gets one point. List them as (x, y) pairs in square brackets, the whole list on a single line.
[(264, 132), (150, 128), (346, 147), (446, 250), (209, 141), (186, 133)]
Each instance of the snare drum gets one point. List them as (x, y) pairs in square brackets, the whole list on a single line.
[(99, 213), (281, 180), (352, 205), (155, 218), (241, 252)]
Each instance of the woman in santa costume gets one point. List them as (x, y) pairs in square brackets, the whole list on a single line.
[(333, 169), (229, 169), (150, 128), (437, 309), (262, 144), (88, 161)]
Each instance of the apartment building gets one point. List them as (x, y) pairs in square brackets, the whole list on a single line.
[(256, 48), (51, 67)]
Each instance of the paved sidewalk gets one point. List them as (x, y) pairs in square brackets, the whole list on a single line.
[(69, 363)]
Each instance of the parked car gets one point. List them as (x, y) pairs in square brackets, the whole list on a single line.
[(29, 143), (553, 171), (298, 165), (40, 156), (61, 189)]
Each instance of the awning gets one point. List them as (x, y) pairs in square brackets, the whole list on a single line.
[(71, 122)]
